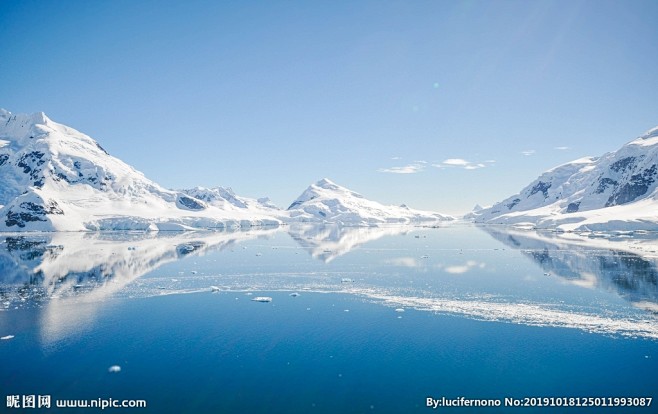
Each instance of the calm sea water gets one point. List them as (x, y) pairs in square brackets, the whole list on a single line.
[(378, 320)]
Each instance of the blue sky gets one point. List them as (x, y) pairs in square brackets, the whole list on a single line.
[(437, 104)]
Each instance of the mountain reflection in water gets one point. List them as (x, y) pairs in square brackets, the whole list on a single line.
[(68, 277), (627, 266)]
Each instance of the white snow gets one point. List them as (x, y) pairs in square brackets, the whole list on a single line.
[(55, 178), (617, 191), (46, 164), (328, 202)]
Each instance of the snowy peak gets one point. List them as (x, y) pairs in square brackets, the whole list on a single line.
[(580, 192), (56, 178), (323, 188), (328, 202)]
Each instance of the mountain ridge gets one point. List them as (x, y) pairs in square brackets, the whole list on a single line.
[(617, 191), (55, 178)]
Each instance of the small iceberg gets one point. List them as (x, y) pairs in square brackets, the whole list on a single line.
[(346, 280), (262, 299), (294, 294), (114, 368), (4, 338), (214, 288), (399, 310)]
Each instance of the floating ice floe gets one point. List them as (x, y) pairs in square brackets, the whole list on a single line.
[(262, 299), (4, 338), (399, 310), (114, 368), (214, 288), (294, 294), (346, 280)]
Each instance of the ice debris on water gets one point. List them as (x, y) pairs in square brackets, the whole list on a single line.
[(424, 256), (346, 280), (262, 299), (399, 310), (214, 288), (294, 294), (114, 368), (4, 338)]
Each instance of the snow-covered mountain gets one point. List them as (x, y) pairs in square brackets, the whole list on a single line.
[(327, 202), (226, 199), (54, 178), (616, 191)]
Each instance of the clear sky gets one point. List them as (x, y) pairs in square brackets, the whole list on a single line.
[(437, 104)]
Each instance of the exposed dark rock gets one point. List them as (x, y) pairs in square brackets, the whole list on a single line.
[(102, 149), (31, 212), (299, 203), (622, 164), (636, 187), (573, 207), (541, 186), (604, 183), (3, 159), (513, 203), (190, 203)]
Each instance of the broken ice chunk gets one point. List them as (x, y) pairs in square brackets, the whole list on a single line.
[(262, 299), (346, 280), (114, 368), (4, 338), (214, 288)]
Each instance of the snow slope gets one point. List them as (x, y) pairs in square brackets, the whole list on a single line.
[(617, 191), (327, 202), (55, 178)]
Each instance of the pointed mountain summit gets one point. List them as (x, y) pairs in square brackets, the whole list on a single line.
[(55, 178), (328, 202), (616, 191)]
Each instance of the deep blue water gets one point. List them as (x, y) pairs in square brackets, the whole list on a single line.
[(338, 347)]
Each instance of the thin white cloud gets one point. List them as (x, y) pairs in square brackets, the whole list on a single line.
[(396, 158), (407, 169), (456, 161), (562, 148), (528, 152), (461, 163), (474, 166)]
